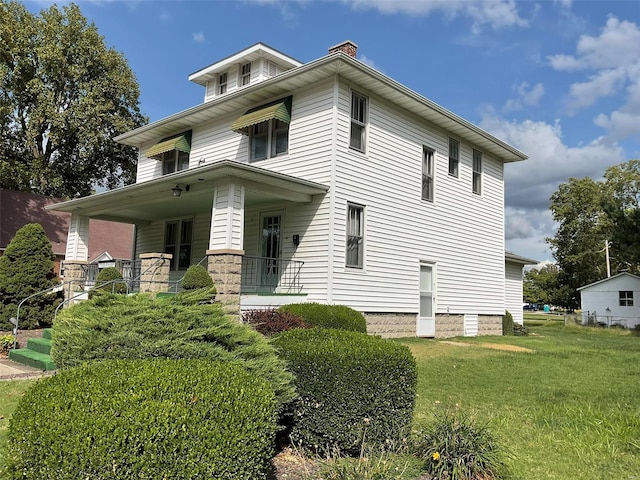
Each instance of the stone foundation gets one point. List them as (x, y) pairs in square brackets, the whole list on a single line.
[(449, 325), (391, 325), (225, 268), (489, 324)]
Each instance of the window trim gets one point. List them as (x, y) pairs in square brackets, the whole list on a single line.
[(360, 123), (270, 135), (454, 161), (245, 75), (223, 85), (175, 261), (175, 160), (430, 174), (625, 298), (360, 260), (476, 180)]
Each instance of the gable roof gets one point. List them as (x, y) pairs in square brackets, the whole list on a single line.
[(350, 69), (20, 208), (513, 258), (609, 279)]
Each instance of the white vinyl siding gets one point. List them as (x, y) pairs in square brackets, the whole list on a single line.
[(461, 232), (513, 291)]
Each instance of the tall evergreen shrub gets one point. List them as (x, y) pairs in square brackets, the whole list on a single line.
[(26, 268)]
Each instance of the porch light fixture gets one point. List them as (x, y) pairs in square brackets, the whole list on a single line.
[(177, 190)]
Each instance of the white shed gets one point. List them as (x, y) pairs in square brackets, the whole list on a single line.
[(613, 301)]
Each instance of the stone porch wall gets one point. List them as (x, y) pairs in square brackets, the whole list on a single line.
[(225, 269), (391, 325)]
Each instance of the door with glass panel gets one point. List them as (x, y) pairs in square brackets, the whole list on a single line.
[(426, 326), (270, 263)]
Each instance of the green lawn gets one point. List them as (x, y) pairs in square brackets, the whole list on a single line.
[(568, 409)]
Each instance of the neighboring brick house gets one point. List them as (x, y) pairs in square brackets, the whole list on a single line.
[(109, 240)]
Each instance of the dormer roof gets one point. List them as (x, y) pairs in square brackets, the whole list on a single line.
[(254, 52)]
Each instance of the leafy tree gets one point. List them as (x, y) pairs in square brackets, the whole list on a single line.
[(63, 97), (26, 268), (540, 284), (588, 213)]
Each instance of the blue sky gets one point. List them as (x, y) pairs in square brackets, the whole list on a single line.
[(558, 79)]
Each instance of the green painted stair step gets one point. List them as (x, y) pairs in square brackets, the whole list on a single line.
[(47, 332), (40, 345), (34, 359)]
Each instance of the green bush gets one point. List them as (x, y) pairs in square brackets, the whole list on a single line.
[(26, 267), (520, 330), (455, 448), (107, 280), (328, 316), (507, 324), (350, 387), (185, 326), (196, 277), (270, 322), (6, 344), (154, 418)]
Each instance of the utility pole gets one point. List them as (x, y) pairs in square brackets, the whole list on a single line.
[(606, 249)]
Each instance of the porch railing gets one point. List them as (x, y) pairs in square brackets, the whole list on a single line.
[(270, 275), (129, 269)]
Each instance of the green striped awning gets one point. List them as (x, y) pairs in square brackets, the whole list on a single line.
[(180, 142), (280, 110)]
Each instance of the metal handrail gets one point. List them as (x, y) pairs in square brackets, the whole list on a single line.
[(54, 289)]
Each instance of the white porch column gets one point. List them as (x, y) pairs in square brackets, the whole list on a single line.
[(78, 238), (227, 218), (226, 242)]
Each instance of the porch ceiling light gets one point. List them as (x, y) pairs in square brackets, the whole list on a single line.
[(177, 191)]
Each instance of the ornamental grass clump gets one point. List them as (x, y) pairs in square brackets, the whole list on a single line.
[(351, 388), (328, 316), (153, 419), (188, 325), (454, 447)]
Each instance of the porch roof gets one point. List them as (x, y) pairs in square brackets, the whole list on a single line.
[(152, 200)]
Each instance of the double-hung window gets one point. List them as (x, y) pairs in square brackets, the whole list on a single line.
[(626, 298), (222, 83), (268, 139), (178, 236), (245, 74), (358, 121), (355, 236), (477, 172), (454, 157), (174, 161), (427, 174)]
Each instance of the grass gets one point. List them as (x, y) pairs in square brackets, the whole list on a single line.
[(569, 409)]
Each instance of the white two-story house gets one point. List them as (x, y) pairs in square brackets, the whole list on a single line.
[(324, 181)]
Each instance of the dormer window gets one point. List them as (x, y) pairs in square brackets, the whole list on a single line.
[(267, 128), (245, 74), (222, 83), (173, 152)]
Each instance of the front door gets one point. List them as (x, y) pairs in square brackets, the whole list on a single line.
[(270, 263), (426, 326)]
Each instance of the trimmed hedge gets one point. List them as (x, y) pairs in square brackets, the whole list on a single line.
[(340, 317), (350, 387), (187, 325), (153, 418), (196, 277), (107, 275)]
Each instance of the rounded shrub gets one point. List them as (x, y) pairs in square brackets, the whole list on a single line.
[(154, 418), (107, 280), (187, 325), (351, 388), (196, 277), (328, 316)]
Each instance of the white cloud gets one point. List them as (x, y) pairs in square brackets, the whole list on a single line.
[(368, 61), (493, 13), (602, 84), (198, 37), (526, 97)]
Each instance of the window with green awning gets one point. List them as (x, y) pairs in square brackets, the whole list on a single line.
[(279, 110), (180, 143)]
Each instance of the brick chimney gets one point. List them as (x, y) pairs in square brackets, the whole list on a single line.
[(347, 47)]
